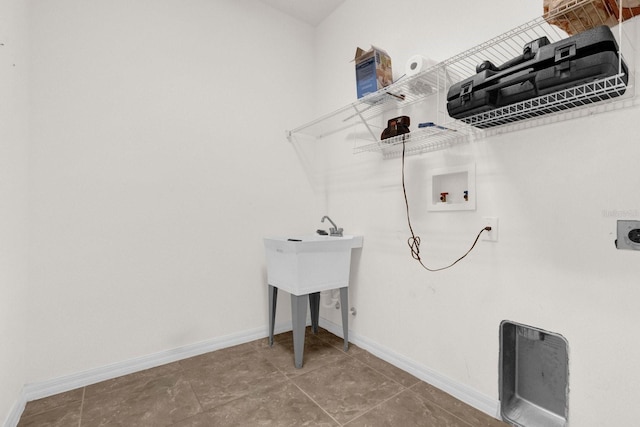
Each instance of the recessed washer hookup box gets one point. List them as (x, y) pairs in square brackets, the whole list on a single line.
[(373, 70)]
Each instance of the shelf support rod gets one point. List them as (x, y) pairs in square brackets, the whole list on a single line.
[(366, 124)]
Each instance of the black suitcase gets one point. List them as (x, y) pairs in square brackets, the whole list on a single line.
[(543, 68)]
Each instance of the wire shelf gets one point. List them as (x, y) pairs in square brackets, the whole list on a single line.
[(401, 94), (575, 97), (431, 85), (423, 140)]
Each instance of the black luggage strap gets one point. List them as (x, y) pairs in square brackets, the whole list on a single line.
[(562, 53), (565, 52)]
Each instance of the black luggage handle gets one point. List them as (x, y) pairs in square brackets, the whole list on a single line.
[(467, 89), (530, 76), (561, 54)]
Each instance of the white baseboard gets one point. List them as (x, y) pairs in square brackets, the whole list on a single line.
[(47, 388), (18, 408), (458, 390)]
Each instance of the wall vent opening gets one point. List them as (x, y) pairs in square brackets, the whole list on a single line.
[(534, 376)]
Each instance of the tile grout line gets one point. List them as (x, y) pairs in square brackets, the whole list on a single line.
[(382, 373), (202, 410), (290, 380), (410, 387), (377, 405), (349, 355), (314, 402), (84, 389), (282, 373), (438, 405), (405, 388)]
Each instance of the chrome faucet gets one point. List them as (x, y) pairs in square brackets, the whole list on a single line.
[(333, 231)]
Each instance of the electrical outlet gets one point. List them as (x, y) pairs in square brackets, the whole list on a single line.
[(628, 235), (490, 236)]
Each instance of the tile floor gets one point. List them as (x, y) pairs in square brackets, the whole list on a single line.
[(255, 385)]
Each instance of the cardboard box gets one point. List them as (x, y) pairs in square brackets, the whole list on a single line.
[(373, 70)]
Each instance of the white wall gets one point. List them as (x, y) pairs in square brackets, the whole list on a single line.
[(555, 265), (13, 200), (159, 162)]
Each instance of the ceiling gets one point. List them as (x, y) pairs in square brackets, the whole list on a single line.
[(309, 11)]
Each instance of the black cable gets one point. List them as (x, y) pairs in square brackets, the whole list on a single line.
[(414, 241)]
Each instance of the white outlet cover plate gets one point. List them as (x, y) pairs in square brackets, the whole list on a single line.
[(490, 236)]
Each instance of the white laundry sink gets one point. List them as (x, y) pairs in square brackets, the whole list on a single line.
[(302, 265)]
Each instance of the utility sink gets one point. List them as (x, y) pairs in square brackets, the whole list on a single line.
[(302, 265)]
